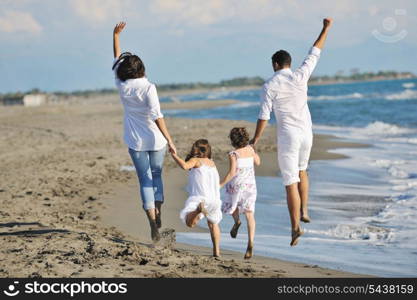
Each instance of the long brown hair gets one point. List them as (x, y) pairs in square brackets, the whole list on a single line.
[(201, 149)]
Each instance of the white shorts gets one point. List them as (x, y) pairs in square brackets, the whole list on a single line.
[(293, 155)]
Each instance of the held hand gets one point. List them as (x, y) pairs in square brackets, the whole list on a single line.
[(172, 149), (327, 22), (119, 28), (253, 142)]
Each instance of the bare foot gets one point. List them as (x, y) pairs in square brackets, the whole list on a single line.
[(305, 219), (249, 252), (235, 229), (202, 209), (215, 254), (295, 235)]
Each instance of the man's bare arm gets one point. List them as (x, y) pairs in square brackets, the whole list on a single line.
[(116, 43), (260, 127), (327, 23)]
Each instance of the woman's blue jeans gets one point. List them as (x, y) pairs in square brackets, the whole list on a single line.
[(148, 166)]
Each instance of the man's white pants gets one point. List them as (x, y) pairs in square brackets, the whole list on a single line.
[(293, 154)]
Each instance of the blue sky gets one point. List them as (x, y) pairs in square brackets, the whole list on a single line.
[(67, 44)]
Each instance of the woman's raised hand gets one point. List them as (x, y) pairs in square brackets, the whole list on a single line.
[(119, 28), (116, 44)]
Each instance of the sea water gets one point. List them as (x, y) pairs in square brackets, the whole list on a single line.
[(363, 208)]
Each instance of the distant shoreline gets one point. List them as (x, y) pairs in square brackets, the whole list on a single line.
[(165, 92), (333, 82)]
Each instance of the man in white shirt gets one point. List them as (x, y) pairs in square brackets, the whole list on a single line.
[(285, 93)]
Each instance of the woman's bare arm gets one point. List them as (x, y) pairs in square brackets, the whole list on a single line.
[(116, 43), (164, 130)]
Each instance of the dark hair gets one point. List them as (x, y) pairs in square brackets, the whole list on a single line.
[(239, 137), (130, 66), (201, 149), (282, 58)]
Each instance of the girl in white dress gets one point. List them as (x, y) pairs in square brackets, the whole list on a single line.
[(240, 185), (203, 189)]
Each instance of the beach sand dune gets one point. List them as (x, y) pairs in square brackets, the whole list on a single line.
[(60, 173)]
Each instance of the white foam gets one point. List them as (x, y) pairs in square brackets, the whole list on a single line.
[(393, 153), (219, 94), (386, 163), (356, 232), (393, 167), (384, 129), (175, 111), (396, 172), (408, 85), (405, 186), (377, 130), (244, 104), (338, 97), (412, 140), (404, 95)]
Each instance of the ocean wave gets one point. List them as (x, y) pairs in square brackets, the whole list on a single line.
[(397, 172), (387, 163), (379, 128), (404, 95), (243, 104), (338, 97), (174, 111), (357, 232), (408, 85), (393, 167), (400, 214), (405, 186)]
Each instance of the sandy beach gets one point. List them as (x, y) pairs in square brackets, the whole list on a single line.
[(67, 209)]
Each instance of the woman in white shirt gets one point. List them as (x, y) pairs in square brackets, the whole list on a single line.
[(145, 132)]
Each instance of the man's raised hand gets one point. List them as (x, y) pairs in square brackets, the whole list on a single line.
[(327, 22)]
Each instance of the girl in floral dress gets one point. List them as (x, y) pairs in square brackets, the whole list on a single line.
[(240, 185)]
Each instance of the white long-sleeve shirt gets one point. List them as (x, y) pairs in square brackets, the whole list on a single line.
[(285, 93), (141, 109)]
